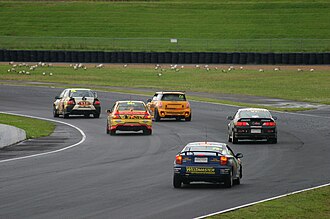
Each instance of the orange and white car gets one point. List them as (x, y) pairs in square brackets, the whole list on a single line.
[(169, 104), (129, 116), (77, 101)]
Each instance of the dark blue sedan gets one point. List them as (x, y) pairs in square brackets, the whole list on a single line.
[(207, 162)]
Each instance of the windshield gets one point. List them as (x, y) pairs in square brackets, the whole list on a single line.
[(174, 97), (131, 106), (255, 114)]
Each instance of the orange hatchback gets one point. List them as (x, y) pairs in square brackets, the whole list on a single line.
[(169, 104)]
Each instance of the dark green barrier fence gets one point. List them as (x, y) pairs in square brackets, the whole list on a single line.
[(166, 57)]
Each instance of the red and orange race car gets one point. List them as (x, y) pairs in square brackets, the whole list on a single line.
[(169, 104), (129, 116)]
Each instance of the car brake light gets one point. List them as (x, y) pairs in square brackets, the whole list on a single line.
[(160, 105), (223, 160), (71, 102), (147, 115), (241, 124), (269, 124), (97, 102), (116, 115), (178, 159)]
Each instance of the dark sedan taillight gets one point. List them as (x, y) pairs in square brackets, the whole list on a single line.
[(241, 123), (269, 124)]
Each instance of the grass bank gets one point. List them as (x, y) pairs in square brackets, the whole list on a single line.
[(287, 84), (261, 26), (310, 204), (34, 128)]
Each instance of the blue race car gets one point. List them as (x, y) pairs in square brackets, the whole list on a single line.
[(207, 162)]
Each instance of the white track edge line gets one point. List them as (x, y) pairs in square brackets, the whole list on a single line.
[(50, 152), (261, 201)]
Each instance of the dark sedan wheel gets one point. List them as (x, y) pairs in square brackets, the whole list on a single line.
[(229, 138), (113, 132), (234, 139), (97, 115), (272, 140), (177, 181)]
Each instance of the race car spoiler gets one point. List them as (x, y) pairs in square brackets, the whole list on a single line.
[(186, 152)]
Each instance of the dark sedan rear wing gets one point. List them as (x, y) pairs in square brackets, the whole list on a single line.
[(257, 118)]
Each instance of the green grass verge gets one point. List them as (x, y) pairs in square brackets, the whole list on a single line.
[(275, 25), (285, 84), (310, 204), (34, 128)]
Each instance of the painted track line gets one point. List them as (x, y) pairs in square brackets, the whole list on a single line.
[(261, 201), (50, 152)]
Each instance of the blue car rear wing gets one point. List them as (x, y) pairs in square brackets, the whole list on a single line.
[(186, 152)]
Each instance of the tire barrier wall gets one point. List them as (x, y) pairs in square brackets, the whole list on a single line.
[(165, 57)]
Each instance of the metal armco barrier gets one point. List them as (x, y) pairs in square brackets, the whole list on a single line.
[(165, 57)]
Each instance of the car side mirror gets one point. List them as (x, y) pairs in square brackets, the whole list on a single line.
[(57, 98), (95, 94), (149, 100), (108, 111), (239, 155), (229, 117), (274, 117)]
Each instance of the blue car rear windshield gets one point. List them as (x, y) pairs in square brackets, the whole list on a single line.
[(217, 148)]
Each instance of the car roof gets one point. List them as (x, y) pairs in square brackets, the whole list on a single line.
[(203, 143), (126, 101), (170, 92), (78, 89), (253, 109)]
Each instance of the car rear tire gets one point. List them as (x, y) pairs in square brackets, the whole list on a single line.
[(272, 140), (156, 116), (55, 113), (113, 132), (65, 115), (237, 181), (229, 180), (97, 115), (229, 138), (188, 119), (147, 131), (107, 129), (177, 181), (234, 139)]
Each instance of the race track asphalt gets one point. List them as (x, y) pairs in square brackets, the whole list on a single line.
[(130, 175)]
